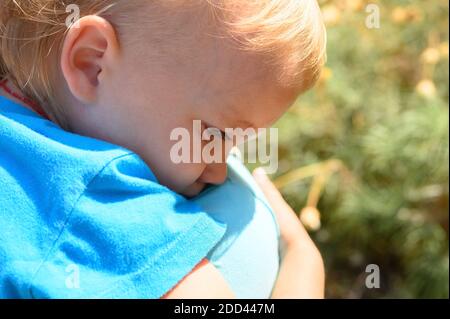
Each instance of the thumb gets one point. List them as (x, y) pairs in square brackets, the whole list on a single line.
[(270, 191)]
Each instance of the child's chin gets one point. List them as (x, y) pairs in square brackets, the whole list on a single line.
[(193, 190)]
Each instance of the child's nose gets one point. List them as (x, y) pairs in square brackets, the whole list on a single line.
[(215, 173)]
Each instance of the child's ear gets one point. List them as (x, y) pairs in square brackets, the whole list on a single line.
[(89, 51)]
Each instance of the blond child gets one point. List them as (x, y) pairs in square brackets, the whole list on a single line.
[(89, 103)]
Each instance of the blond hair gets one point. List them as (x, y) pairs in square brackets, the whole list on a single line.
[(290, 32), (31, 36)]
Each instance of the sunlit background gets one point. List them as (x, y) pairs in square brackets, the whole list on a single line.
[(364, 157)]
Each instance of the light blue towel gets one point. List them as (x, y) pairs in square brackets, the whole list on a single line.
[(247, 256)]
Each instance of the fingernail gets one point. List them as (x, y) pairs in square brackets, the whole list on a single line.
[(260, 172)]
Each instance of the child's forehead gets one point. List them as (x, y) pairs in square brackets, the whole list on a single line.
[(253, 108)]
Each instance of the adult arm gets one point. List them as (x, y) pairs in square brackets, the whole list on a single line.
[(301, 274)]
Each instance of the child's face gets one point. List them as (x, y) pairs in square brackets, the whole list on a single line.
[(147, 94), (221, 88)]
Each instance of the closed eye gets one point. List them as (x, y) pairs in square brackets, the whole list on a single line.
[(217, 132), (225, 136)]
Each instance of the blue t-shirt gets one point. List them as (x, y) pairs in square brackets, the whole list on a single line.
[(81, 218)]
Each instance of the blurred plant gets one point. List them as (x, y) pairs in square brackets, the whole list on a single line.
[(379, 118), (310, 215)]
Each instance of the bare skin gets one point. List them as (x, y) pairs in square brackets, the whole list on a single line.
[(215, 82)]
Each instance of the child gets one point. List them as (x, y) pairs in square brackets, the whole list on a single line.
[(88, 189)]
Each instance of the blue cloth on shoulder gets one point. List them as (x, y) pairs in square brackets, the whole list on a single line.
[(247, 255), (81, 218)]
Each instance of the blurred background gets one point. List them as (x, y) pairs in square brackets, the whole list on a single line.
[(364, 157)]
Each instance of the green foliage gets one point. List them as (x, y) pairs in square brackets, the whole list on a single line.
[(381, 108)]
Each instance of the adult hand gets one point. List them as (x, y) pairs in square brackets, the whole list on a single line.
[(302, 274)]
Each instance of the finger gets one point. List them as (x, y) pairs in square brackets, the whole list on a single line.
[(270, 191), (292, 231)]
